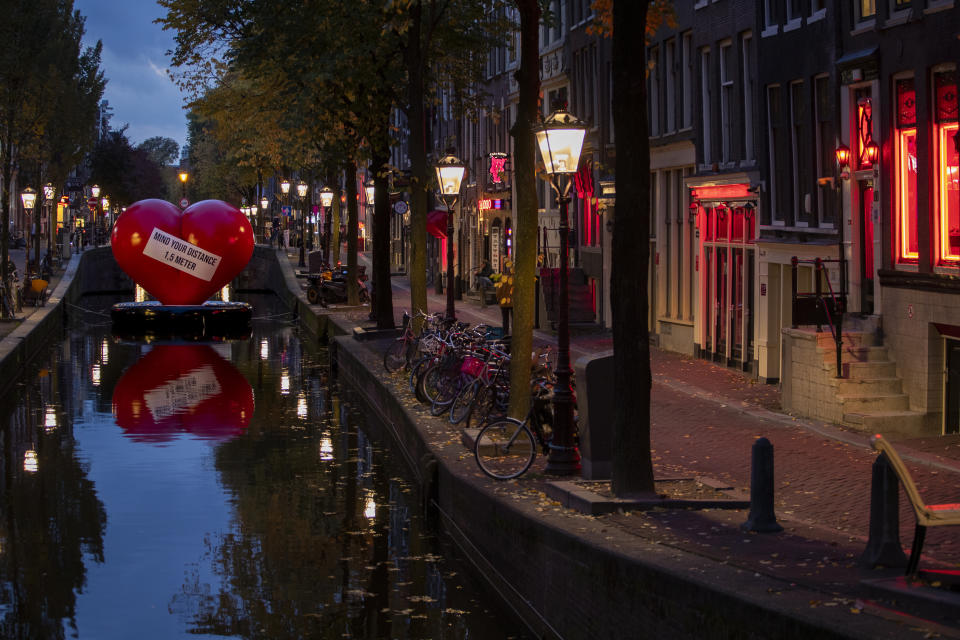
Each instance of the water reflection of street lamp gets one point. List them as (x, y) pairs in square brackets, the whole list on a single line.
[(326, 201), (301, 194), (560, 138), (450, 172)]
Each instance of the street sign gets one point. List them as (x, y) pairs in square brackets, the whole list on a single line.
[(285, 210), (184, 203), (92, 202)]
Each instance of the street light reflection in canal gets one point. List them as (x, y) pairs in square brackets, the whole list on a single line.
[(175, 490)]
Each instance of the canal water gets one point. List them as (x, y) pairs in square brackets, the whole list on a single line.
[(227, 490)]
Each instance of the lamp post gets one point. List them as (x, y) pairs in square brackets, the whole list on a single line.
[(301, 194), (560, 138), (29, 198), (369, 190), (326, 201), (264, 212), (450, 172), (285, 190), (48, 194), (95, 192), (184, 176)]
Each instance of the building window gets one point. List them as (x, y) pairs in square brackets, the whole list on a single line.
[(671, 88), (825, 143), (866, 9), (774, 128), (727, 68), (948, 190), (686, 73), (654, 89), (905, 157), (705, 103), (747, 80), (797, 136), (769, 19)]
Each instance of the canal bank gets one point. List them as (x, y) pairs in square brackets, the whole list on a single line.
[(663, 574)]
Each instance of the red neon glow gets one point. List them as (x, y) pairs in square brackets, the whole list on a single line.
[(497, 167), (907, 246), (949, 195), (867, 206), (722, 192)]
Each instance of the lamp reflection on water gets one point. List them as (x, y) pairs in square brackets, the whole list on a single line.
[(302, 406), (264, 349), (284, 382), (370, 507), (326, 448), (50, 419), (105, 351), (30, 462), (95, 375)]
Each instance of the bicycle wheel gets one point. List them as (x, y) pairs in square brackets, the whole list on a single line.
[(462, 404), (505, 449), (432, 379), (416, 371), (395, 357)]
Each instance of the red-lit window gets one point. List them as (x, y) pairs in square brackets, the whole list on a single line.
[(906, 249), (948, 193)]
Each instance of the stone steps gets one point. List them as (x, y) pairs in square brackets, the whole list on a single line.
[(889, 423)]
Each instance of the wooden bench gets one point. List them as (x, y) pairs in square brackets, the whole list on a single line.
[(928, 515)]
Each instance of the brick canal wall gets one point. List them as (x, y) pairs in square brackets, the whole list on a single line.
[(571, 577)]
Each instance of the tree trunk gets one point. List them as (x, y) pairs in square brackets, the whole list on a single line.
[(416, 120), (353, 227), (632, 465), (525, 220), (382, 304), (336, 219)]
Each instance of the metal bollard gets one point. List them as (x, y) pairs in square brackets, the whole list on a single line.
[(883, 546), (761, 519)]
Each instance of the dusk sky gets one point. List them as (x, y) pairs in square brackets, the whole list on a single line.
[(134, 62)]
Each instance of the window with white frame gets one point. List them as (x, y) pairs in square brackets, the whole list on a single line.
[(746, 42), (797, 166), (770, 25), (653, 90), (706, 113), (824, 146), (866, 10), (686, 75), (727, 68), (773, 131), (670, 73), (793, 11)]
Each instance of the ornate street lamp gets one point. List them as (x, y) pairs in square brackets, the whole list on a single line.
[(29, 198), (326, 201), (301, 194), (95, 211), (560, 138), (450, 172), (49, 193), (285, 190)]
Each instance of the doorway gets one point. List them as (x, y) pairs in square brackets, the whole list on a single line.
[(951, 387)]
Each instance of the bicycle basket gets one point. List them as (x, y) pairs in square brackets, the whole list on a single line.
[(472, 366)]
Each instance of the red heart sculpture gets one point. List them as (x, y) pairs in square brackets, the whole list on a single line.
[(177, 389), (182, 258)]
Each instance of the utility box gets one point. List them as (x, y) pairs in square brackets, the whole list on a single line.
[(595, 402)]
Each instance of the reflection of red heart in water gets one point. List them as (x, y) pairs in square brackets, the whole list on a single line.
[(177, 389), (182, 258)]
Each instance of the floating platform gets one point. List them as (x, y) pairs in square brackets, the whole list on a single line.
[(212, 321)]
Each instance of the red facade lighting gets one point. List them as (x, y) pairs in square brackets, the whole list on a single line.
[(843, 156)]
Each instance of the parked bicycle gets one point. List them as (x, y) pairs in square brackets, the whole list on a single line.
[(505, 448), (401, 350)]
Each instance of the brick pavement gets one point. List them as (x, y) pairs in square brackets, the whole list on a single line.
[(705, 419)]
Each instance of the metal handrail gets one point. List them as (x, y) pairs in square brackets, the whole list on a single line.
[(839, 303)]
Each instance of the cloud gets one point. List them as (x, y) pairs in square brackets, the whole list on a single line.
[(134, 62)]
